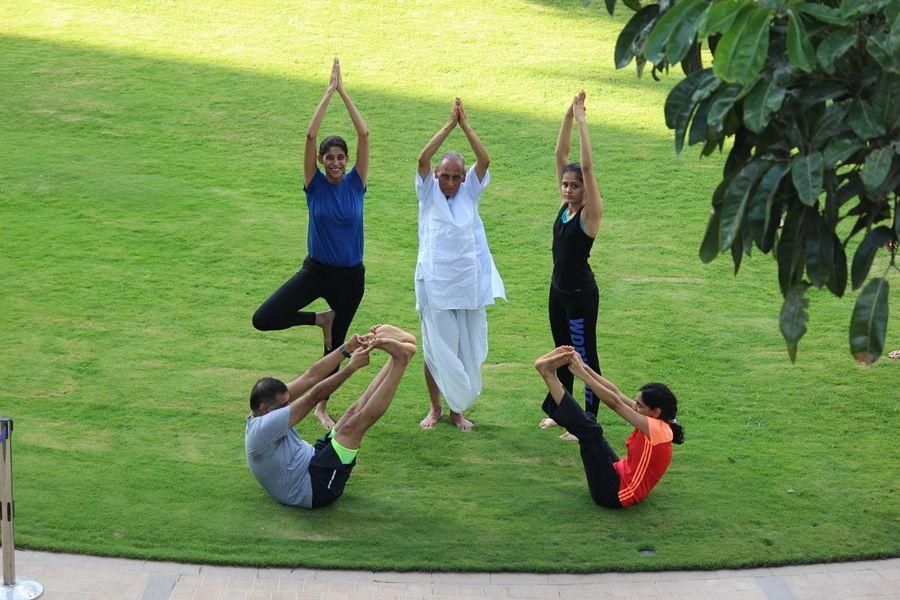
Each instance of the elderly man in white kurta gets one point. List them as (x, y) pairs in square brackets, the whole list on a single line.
[(455, 273)]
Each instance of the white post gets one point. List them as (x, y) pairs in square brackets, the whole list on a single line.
[(12, 588)]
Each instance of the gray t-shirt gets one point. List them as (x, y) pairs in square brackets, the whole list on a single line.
[(279, 458)]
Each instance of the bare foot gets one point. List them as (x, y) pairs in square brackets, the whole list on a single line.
[(430, 420), (462, 423), (547, 423), (325, 320), (399, 351), (548, 363), (323, 416), (568, 437), (394, 333)]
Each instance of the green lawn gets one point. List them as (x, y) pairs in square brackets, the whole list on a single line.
[(150, 199)]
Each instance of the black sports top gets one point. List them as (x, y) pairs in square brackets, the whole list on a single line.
[(571, 250)]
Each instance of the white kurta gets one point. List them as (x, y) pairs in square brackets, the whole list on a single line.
[(455, 279)]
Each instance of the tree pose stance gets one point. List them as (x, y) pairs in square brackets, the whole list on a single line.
[(295, 472), (333, 268), (574, 298), (455, 273), (614, 483)]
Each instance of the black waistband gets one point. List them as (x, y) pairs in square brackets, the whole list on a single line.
[(309, 261)]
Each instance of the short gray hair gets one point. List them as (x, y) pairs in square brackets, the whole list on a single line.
[(454, 156)]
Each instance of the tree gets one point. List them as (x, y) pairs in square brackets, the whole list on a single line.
[(809, 93)]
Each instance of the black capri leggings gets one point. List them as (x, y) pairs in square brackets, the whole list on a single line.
[(573, 322), (341, 287), (597, 455)]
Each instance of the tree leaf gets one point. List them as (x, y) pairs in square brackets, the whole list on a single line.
[(720, 16), (841, 149), (837, 283), (878, 163), (764, 197), (709, 248), (692, 62), (830, 124), (789, 252), (865, 254), (632, 33), (794, 317), (800, 50), (742, 51), (818, 246), (610, 6), (833, 47), (863, 120), (880, 47), (806, 173), (722, 103), (892, 11), (831, 212), (735, 201), (634, 5), (685, 12), (823, 90), (736, 254), (764, 99), (823, 13), (685, 32), (868, 325), (698, 123), (850, 7), (886, 101), (684, 97)]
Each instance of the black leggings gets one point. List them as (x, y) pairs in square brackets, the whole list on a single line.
[(341, 287), (597, 455), (573, 321)]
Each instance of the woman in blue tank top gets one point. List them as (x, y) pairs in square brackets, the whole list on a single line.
[(574, 298), (333, 269)]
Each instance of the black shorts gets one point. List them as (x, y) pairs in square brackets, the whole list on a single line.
[(327, 473)]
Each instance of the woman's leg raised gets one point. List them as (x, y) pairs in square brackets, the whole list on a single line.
[(281, 310)]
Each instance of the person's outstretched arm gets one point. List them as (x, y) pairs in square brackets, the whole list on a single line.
[(434, 143), (320, 391), (482, 160), (593, 204), (563, 143), (310, 150), (608, 393), (362, 130)]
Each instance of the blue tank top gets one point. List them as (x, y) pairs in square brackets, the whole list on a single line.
[(335, 219)]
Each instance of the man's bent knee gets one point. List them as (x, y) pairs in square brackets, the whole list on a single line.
[(349, 432)]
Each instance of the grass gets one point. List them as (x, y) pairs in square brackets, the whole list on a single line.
[(150, 200)]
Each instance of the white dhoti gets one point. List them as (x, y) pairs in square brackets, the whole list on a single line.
[(454, 343), (455, 279)]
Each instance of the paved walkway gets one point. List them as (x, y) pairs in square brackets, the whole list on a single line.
[(68, 576)]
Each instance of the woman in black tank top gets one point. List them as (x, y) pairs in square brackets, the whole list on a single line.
[(574, 298)]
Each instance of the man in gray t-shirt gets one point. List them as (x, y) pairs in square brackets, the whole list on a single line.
[(288, 467)]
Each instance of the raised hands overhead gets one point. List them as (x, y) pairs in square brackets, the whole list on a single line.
[(428, 152), (311, 150), (578, 109), (455, 113), (336, 75), (482, 160), (335, 83), (462, 117), (584, 172)]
